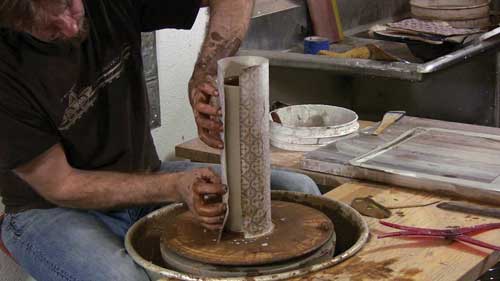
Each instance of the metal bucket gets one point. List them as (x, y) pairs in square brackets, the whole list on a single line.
[(142, 240)]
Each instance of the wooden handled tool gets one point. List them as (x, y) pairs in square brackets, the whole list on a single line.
[(370, 51), (367, 206), (390, 118)]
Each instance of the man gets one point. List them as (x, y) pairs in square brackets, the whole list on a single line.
[(77, 160)]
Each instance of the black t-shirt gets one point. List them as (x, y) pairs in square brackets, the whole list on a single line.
[(92, 98)]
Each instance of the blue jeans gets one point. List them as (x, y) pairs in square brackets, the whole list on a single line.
[(63, 244)]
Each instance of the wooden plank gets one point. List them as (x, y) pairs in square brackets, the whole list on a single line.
[(195, 150), (447, 159), (325, 17), (412, 259)]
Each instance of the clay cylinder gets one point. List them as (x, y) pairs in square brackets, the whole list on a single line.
[(246, 164)]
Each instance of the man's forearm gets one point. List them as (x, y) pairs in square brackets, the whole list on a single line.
[(111, 190), (229, 21)]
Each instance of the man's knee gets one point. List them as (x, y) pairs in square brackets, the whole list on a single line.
[(124, 270), (280, 179), (285, 180), (61, 244), (180, 166)]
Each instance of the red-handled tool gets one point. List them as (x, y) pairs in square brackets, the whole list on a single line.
[(455, 234)]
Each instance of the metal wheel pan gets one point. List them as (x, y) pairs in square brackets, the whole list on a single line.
[(352, 233)]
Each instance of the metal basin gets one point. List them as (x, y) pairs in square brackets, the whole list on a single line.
[(142, 240)]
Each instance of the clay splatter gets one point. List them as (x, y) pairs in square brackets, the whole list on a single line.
[(359, 270)]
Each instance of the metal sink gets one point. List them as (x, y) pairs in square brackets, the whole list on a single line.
[(462, 86), (278, 36)]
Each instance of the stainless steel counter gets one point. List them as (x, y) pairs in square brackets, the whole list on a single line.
[(286, 52), (463, 86), (399, 70)]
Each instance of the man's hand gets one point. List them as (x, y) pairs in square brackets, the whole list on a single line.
[(229, 21), (195, 188), (207, 114)]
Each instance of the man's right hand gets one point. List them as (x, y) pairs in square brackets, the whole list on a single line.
[(202, 90), (194, 187)]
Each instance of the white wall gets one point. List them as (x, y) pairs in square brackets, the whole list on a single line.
[(177, 54)]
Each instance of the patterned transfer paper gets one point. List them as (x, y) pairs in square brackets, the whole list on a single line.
[(245, 160), (432, 27)]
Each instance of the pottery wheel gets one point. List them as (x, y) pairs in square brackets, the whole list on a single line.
[(298, 230)]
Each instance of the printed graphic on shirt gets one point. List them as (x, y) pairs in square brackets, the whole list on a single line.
[(81, 100)]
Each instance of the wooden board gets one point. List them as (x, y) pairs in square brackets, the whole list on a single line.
[(462, 160), (406, 259), (447, 3), (326, 19), (195, 150)]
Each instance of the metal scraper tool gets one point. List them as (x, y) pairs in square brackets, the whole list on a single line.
[(470, 209), (367, 206), (390, 118)]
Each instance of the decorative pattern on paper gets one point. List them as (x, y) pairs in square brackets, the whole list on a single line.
[(255, 171), (255, 151), (432, 27)]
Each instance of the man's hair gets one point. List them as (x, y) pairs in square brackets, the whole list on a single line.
[(25, 14), (17, 14)]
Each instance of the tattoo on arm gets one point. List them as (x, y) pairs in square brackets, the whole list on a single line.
[(229, 21), (216, 51)]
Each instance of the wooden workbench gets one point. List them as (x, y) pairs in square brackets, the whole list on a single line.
[(406, 259), (399, 259), (196, 150)]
